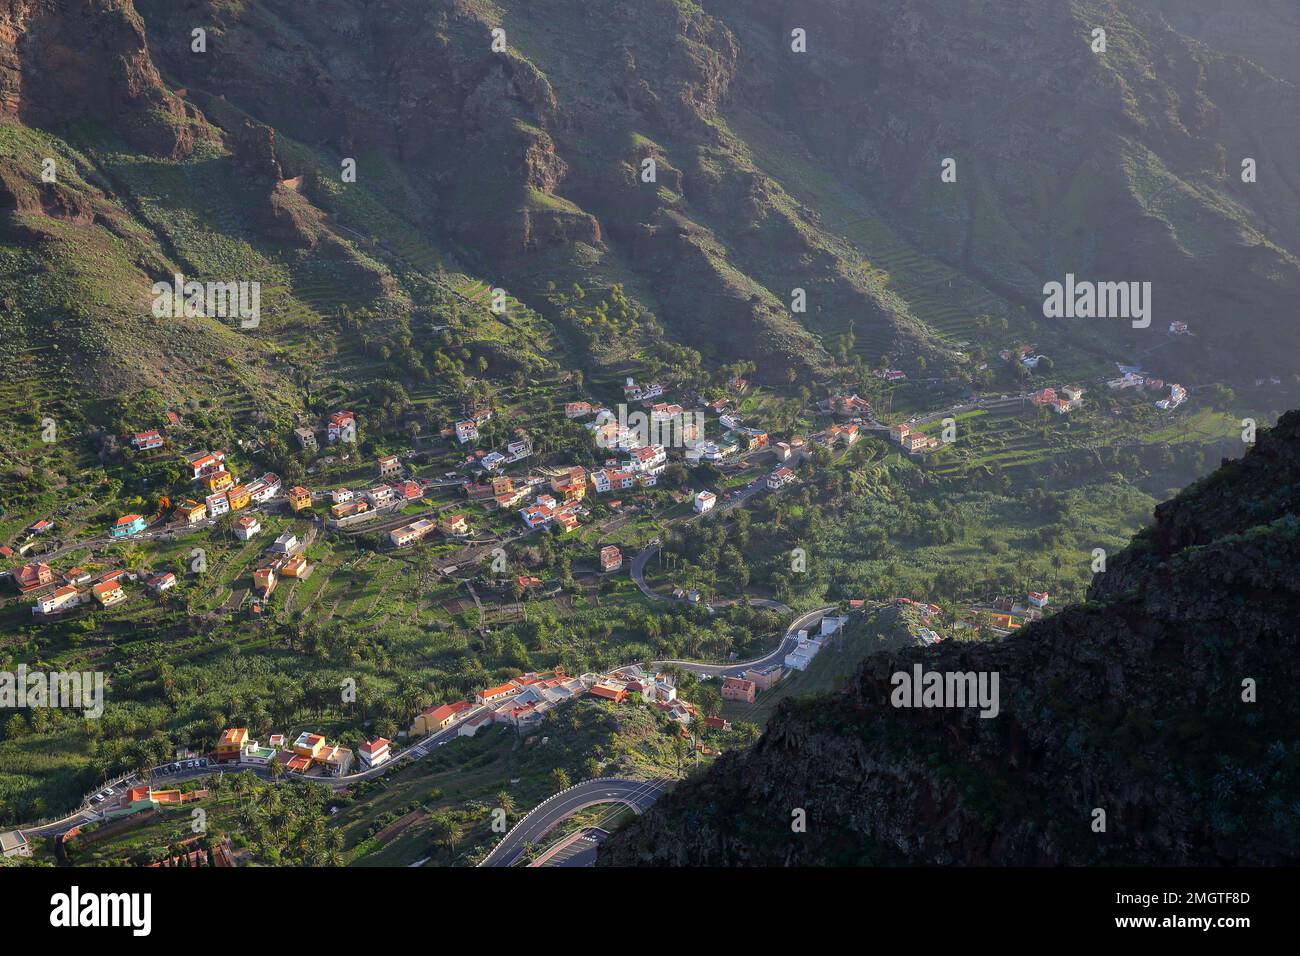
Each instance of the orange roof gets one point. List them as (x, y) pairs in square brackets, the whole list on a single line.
[(499, 689), (374, 746), (233, 735), (440, 714)]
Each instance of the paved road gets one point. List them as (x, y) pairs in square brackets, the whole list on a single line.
[(88, 813), (546, 816), (578, 850), (736, 668)]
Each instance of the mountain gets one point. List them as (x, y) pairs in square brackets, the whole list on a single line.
[(220, 156), (1167, 700)]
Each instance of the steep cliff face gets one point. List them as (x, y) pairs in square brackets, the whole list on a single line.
[(1123, 163), (1168, 702), (514, 135), (72, 59)]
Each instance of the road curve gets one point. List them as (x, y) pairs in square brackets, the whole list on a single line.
[(550, 813), (775, 656)]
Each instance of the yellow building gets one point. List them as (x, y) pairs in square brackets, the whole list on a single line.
[(231, 743), (309, 745), (238, 497), (299, 498), (454, 524), (218, 481), (192, 511)]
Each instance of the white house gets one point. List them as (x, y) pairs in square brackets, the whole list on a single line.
[(520, 449), (705, 501), (536, 516), (339, 495), (246, 527), (650, 459), (61, 599), (218, 504), (831, 624), (780, 478), (286, 543), (374, 752), (492, 461), (466, 431), (381, 495)]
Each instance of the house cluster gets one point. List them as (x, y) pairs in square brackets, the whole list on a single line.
[(77, 586), (841, 435), (1131, 377), (632, 392), (1177, 395), (142, 799), (283, 558), (910, 441), (1070, 398), (467, 430), (350, 507), (927, 614), (636, 683), (846, 406), (224, 494), (519, 702), (309, 753), (1005, 614), (640, 469), (1024, 354), (807, 646), (546, 511), (340, 426), (451, 525)]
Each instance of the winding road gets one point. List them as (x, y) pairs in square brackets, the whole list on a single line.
[(550, 813)]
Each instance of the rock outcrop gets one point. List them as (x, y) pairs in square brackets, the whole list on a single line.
[(62, 60), (1165, 707)]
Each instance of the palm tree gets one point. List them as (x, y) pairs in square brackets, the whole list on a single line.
[(506, 803)]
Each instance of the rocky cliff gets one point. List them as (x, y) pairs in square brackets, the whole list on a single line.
[(1154, 724)]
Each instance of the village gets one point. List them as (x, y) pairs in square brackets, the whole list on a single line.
[(492, 482)]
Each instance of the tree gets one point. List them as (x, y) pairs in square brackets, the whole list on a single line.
[(447, 829), (560, 779), (506, 803)]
